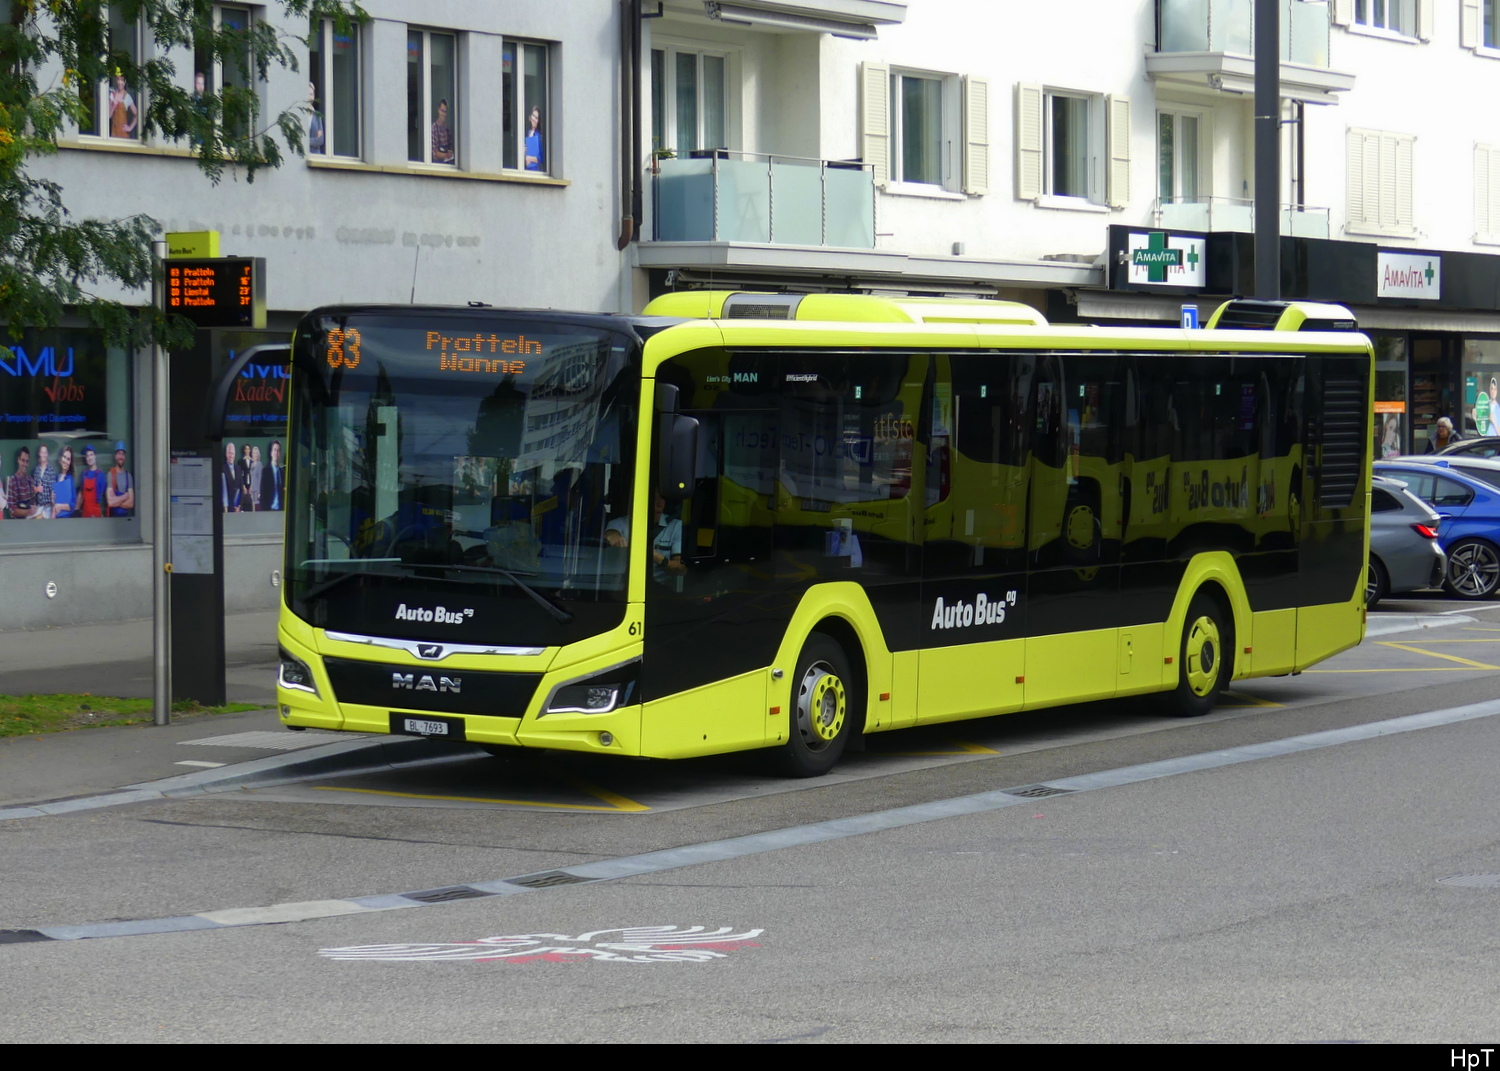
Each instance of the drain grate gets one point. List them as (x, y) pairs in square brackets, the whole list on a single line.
[(1035, 792), (547, 880), (442, 896), (1473, 881)]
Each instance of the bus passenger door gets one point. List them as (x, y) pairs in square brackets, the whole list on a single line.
[(1074, 528), (973, 616)]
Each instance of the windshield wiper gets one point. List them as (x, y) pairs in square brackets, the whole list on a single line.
[(333, 582), (515, 578)]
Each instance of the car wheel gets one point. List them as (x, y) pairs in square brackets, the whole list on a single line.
[(1377, 583), (825, 705), (1473, 569), (1206, 661)]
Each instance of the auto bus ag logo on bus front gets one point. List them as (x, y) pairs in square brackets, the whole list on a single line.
[(984, 610), (440, 615)]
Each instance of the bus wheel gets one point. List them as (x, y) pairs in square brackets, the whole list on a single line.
[(1205, 660), (824, 698)]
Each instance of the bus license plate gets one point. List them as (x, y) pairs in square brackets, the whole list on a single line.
[(407, 725)]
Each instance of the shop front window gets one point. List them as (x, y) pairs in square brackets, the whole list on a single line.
[(1481, 364), (1392, 419), (66, 445)]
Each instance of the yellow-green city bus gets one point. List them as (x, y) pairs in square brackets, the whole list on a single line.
[(747, 521)]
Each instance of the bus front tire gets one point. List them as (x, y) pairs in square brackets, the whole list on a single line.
[(825, 702), (1205, 658)]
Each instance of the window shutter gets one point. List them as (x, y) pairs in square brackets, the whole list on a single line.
[(1354, 152), (976, 136), (1483, 216), (1029, 100), (1424, 19), (1401, 181), (1118, 132), (1468, 24), (875, 119), (1343, 12)]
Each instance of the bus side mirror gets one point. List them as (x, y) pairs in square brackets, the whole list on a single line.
[(676, 446)]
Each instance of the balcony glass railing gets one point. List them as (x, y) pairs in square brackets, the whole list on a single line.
[(1237, 214), (1229, 26), (722, 196)]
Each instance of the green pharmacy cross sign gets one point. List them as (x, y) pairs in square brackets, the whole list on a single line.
[(1156, 258)]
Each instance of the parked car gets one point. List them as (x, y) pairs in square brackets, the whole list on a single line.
[(1481, 468), (1469, 514), (1482, 446), (1405, 554)]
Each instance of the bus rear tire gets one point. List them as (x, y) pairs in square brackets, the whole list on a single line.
[(1205, 658), (825, 704)]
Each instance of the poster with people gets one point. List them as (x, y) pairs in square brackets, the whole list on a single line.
[(64, 427), (251, 470)]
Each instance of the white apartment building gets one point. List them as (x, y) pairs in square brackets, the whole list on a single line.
[(983, 147)]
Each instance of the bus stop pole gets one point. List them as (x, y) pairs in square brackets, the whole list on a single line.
[(161, 500)]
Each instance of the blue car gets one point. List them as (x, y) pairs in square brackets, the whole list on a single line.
[(1470, 530)]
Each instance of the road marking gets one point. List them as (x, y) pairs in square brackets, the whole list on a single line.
[(199, 762), (1435, 654), (760, 843), (269, 740), (482, 799), (964, 748), (630, 944), (1248, 700)]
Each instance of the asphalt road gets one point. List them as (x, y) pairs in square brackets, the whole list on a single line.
[(1341, 889)]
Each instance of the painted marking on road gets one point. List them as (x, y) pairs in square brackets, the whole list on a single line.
[(1436, 654), (479, 799), (1243, 700), (963, 746), (630, 944), (200, 762), (269, 740), (771, 841)]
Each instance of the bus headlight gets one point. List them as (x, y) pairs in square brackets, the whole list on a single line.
[(586, 699), (295, 675)]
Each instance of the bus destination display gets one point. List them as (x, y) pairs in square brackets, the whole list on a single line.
[(221, 292)]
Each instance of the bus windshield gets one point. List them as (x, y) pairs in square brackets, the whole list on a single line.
[(460, 476)]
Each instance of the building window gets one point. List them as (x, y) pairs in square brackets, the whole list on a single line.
[(920, 129), (1379, 183), (1477, 24), (1072, 147), (689, 100), (232, 76), (1177, 157), (431, 97), (527, 120), (1068, 146), (333, 91), (1491, 32), (1397, 16), (113, 108)]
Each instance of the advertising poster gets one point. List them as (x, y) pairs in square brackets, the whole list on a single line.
[(250, 475), (65, 449)]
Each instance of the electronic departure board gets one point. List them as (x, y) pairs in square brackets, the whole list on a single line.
[(223, 292)]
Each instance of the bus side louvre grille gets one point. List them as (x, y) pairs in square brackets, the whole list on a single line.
[(1344, 433), (1251, 316)]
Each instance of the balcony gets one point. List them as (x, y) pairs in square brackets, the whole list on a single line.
[(1211, 44), (756, 198), (1206, 214)]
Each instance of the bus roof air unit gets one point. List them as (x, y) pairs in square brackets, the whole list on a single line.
[(1245, 314)]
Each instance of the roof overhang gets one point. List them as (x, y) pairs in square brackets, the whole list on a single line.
[(858, 19), (1233, 74), (873, 268)]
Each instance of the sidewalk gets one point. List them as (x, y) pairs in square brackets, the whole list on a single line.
[(116, 660)]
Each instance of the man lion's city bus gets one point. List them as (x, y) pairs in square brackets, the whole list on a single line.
[(747, 521)]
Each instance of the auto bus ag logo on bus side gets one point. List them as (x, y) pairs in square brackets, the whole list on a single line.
[(984, 610), (426, 683)]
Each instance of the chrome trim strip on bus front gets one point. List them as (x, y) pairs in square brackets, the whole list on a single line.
[(432, 651)]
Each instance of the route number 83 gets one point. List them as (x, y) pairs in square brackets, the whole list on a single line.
[(343, 347)]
